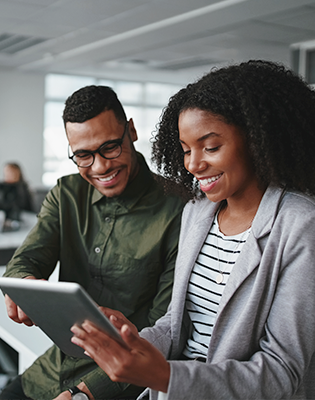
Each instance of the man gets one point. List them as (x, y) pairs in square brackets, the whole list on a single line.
[(113, 231)]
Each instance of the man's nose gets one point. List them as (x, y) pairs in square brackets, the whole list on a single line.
[(100, 164)]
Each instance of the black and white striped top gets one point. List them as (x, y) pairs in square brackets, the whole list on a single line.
[(218, 254)]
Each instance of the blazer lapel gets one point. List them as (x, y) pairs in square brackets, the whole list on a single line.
[(251, 253), (188, 253)]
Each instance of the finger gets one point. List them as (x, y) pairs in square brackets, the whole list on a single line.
[(24, 318), (95, 340), (96, 334), (88, 333), (109, 311), (15, 313), (77, 330), (118, 318), (132, 340), (79, 342), (118, 323), (93, 348), (11, 309)]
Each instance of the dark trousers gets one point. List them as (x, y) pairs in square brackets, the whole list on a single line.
[(14, 391)]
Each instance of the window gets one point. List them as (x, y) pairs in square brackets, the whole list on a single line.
[(143, 102)]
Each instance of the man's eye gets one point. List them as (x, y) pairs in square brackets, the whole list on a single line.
[(109, 148), (82, 156)]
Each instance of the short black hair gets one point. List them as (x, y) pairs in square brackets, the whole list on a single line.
[(274, 109), (90, 101)]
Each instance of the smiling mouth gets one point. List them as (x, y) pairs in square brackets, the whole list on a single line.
[(109, 178), (205, 182)]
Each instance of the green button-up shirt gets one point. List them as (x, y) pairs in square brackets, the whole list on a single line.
[(121, 250)]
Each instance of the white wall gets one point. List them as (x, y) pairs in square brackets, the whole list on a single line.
[(21, 123)]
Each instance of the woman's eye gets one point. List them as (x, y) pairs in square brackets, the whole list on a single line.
[(187, 152), (212, 149)]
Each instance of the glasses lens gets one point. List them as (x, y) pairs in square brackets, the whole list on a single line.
[(111, 150), (83, 159)]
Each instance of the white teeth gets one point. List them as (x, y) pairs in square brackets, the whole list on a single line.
[(205, 182), (109, 178)]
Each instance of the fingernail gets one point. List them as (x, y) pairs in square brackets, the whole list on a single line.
[(126, 329), (86, 327)]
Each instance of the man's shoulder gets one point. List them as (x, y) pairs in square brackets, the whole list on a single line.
[(68, 186), (71, 178), (73, 181)]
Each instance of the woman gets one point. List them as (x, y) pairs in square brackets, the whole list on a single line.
[(241, 323), (12, 175)]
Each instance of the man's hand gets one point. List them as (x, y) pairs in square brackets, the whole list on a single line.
[(66, 395), (15, 313), (139, 363)]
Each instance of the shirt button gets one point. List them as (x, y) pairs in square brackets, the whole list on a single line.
[(107, 219), (65, 382), (97, 250)]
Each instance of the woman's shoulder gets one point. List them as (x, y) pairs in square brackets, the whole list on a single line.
[(296, 212), (298, 203)]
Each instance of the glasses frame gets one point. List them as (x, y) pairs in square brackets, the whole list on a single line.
[(118, 142)]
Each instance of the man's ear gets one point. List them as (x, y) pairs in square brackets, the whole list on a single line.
[(132, 131)]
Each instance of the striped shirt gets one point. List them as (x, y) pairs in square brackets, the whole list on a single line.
[(216, 259)]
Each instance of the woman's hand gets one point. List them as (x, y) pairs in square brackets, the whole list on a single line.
[(139, 363)]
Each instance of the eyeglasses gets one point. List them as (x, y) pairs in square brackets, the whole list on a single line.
[(108, 150)]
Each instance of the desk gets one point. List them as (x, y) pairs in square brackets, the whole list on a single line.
[(10, 241)]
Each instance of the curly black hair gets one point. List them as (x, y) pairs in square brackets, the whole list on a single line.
[(273, 107), (89, 101)]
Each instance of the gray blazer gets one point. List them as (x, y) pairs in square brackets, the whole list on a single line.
[(263, 342)]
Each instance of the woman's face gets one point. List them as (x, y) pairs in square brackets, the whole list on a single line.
[(11, 174), (215, 153)]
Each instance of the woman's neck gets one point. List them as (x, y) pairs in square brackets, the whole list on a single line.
[(236, 215)]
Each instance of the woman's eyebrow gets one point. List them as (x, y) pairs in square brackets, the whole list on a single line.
[(204, 137), (207, 135)]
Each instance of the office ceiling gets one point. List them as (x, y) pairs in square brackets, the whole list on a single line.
[(159, 40)]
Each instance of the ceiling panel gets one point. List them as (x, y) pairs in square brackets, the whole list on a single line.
[(165, 39), (270, 32), (14, 10), (301, 18)]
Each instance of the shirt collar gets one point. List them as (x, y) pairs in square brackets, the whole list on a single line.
[(134, 190)]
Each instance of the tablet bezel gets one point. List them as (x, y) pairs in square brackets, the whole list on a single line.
[(55, 307)]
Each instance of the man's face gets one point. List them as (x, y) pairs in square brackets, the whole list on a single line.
[(109, 177)]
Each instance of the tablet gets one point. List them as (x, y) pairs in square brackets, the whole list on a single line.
[(55, 307)]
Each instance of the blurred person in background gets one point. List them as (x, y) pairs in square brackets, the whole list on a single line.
[(12, 174)]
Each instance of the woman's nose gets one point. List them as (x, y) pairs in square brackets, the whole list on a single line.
[(196, 163)]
